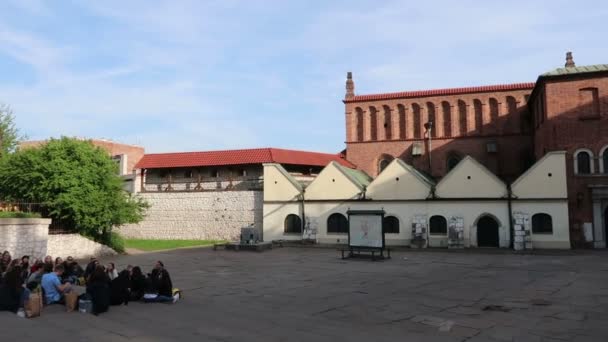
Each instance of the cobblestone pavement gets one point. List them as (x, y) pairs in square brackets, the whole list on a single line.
[(297, 294)]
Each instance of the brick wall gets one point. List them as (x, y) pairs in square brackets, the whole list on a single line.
[(572, 121), (464, 123)]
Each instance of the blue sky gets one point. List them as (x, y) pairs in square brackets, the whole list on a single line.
[(197, 75)]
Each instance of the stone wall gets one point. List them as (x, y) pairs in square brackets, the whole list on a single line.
[(215, 215), (77, 246), (24, 236)]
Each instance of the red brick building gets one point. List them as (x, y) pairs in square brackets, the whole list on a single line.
[(506, 127)]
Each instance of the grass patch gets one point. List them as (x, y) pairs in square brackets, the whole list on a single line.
[(155, 245), (18, 214)]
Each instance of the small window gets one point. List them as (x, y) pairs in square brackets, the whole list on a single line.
[(583, 163), (383, 164), (337, 223), (391, 225), (438, 225), (215, 173), (293, 224), (452, 162), (542, 224), (243, 173), (605, 161), (417, 149), (188, 174), (491, 147)]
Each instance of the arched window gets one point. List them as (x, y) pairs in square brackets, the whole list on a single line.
[(493, 110), (337, 223), (583, 162), (604, 160), (402, 122), (388, 126), (462, 118), (373, 118), (438, 225), (417, 119), (512, 118), (478, 116), (293, 224), (542, 224), (360, 126), (447, 118), (452, 161), (430, 108), (391, 225), (383, 164)]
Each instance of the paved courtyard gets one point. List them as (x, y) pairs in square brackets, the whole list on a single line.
[(297, 294)]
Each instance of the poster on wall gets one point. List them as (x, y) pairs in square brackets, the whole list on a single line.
[(365, 229)]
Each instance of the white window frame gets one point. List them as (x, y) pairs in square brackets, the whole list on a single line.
[(591, 160), (600, 159)]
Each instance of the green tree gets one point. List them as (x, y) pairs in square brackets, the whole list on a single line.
[(76, 181), (9, 134)]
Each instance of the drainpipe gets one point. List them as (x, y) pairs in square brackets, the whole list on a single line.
[(509, 204), (303, 212)]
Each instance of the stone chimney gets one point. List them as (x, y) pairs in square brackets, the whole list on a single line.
[(569, 60), (350, 86)]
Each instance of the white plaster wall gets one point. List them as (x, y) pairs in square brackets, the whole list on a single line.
[(397, 182), (469, 179), (24, 236), (558, 210), (274, 221), (215, 215), (279, 185), (545, 179), (332, 183), (77, 246)]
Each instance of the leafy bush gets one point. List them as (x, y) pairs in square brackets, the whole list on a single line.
[(18, 214), (116, 242), (76, 181)]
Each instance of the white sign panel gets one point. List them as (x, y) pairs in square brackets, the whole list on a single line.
[(365, 231)]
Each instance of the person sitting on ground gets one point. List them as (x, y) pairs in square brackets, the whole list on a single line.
[(59, 261), (48, 259), (90, 267), (35, 265), (138, 284), (35, 277), (98, 288), (161, 285), (54, 290), (73, 270), (111, 271), (119, 289), (5, 261), (25, 267), (13, 296)]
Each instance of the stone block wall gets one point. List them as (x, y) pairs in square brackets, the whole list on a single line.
[(456, 232), (522, 230), (77, 246), (24, 236), (419, 229), (213, 215)]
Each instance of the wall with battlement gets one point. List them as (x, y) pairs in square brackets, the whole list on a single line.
[(210, 215)]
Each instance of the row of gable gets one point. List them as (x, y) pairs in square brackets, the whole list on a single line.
[(399, 181)]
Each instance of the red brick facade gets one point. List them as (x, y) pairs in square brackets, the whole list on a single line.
[(505, 127)]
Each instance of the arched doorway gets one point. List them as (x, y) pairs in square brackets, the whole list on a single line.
[(487, 232), (606, 225)]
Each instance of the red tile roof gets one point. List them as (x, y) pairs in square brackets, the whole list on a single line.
[(442, 92), (238, 157)]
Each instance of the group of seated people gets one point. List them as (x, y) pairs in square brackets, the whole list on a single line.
[(105, 286)]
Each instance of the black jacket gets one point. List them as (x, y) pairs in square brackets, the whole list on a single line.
[(138, 287), (119, 289), (9, 298), (100, 296), (161, 282)]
